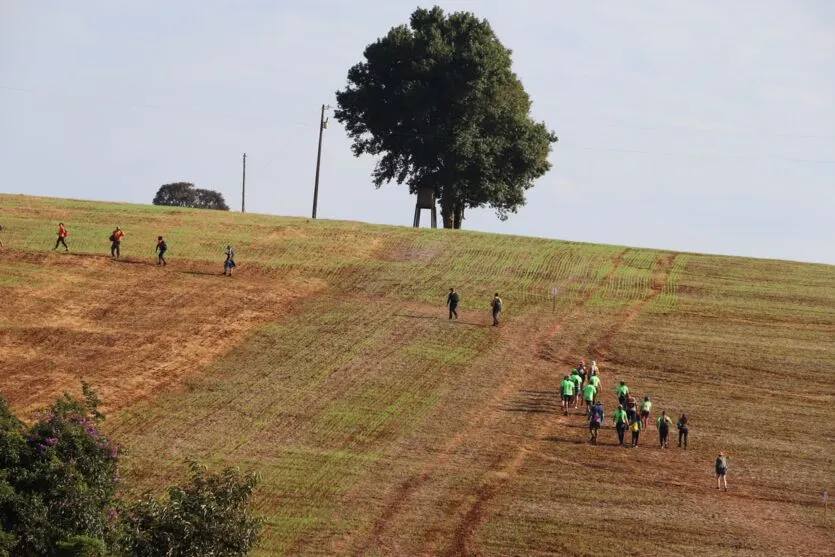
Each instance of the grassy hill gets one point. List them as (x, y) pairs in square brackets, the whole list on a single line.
[(380, 428)]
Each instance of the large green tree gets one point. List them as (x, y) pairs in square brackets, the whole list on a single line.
[(437, 101)]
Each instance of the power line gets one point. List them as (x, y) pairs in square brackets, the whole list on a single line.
[(86, 99)]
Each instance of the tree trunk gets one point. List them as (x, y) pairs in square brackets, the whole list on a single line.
[(458, 215), (447, 214)]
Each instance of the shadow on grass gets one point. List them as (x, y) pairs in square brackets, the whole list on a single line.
[(203, 273), (454, 321), (534, 402), (581, 441)]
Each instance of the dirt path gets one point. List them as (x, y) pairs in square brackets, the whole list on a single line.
[(521, 340), (189, 316)]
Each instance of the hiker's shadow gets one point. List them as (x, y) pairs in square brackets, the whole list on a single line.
[(534, 402), (579, 441)]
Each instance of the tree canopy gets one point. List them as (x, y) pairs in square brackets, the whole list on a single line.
[(184, 194), (438, 102)]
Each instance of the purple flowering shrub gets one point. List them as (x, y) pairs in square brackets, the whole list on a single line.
[(57, 477), (58, 481)]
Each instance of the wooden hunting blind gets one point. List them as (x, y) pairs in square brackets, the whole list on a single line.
[(426, 200)]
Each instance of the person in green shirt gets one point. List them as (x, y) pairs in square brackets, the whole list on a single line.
[(567, 390), (578, 385), (620, 423), (663, 422), (622, 392), (594, 379), (589, 392)]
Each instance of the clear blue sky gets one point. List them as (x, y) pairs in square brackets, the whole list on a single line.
[(700, 126)]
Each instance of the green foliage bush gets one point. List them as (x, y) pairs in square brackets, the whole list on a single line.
[(58, 495)]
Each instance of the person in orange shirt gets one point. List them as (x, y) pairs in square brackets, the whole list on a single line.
[(116, 242), (62, 237)]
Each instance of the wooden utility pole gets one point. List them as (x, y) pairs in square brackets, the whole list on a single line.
[(243, 188), (323, 123)]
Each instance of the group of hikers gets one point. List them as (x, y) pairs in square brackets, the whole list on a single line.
[(453, 299), (118, 235), (583, 386)]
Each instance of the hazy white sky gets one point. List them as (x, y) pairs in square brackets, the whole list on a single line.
[(699, 126)]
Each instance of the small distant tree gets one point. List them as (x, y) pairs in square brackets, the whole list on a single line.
[(184, 194), (209, 199)]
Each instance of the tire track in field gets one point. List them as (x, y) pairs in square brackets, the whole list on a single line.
[(495, 481), (517, 347)]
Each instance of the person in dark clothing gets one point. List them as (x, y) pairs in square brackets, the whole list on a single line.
[(62, 237), (161, 248), (663, 422), (682, 430), (229, 264), (452, 301), (496, 306)]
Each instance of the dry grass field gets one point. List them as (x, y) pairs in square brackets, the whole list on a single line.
[(379, 427)]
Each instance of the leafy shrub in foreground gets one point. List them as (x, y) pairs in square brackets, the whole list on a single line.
[(58, 482)]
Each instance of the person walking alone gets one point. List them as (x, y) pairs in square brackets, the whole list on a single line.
[(229, 264), (496, 305), (722, 471), (663, 422), (161, 248), (682, 430), (116, 242), (62, 237), (452, 301)]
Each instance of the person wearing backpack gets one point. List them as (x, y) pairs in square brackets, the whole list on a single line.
[(161, 248), (596, 420), (621, 421), (567, 391), (682, 430), (452, 301), (722, 471), (229, 264), (581, 369), (62, 237), (116, 242), (663, 422), (635, 426), (496, 306)]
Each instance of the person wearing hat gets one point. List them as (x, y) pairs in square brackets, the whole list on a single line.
[(116, 242), (620, 419), (722, 471)]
